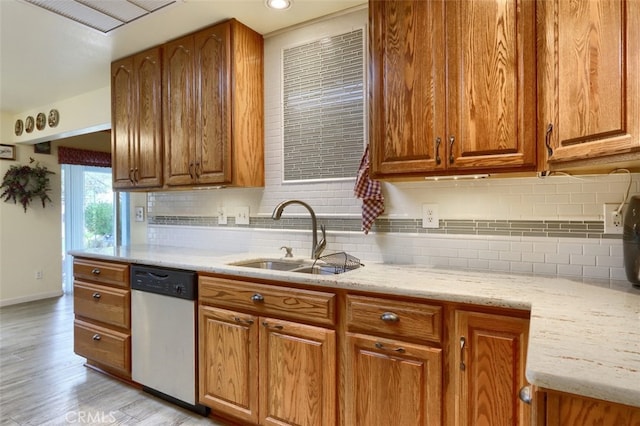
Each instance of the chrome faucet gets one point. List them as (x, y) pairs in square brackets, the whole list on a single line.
[(317, 247)]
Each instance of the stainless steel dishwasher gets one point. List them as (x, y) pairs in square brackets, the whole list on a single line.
[(163, 334)]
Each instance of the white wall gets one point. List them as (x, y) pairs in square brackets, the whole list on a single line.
[(31, 241)]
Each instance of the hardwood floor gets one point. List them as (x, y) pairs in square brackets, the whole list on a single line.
[(42, 382)]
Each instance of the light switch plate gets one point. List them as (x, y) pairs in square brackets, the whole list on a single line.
[(139, 214), (242, 215)]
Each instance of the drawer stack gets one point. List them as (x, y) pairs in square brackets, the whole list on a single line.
[(102, 307)]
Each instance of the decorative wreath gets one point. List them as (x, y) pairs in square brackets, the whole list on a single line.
[(24, 183)]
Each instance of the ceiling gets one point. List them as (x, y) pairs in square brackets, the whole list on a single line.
[(45, 57)]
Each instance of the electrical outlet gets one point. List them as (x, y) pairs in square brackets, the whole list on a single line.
[(430, 216), (242, 215), (612, 219), (38, 274), (139, 214), (222, 216)]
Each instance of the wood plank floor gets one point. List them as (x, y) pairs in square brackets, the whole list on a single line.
[(42, 382)]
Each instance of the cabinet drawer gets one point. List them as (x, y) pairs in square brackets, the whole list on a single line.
[(102, 272), (394, 318), (263, 299), (105, 304), (102, 345)]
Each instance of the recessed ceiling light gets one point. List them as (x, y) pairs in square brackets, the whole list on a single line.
[(278, 4)]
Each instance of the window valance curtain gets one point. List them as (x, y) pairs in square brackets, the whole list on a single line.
[(83, 157)]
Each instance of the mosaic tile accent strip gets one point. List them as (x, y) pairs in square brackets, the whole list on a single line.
[(513, 228), (323, 107)]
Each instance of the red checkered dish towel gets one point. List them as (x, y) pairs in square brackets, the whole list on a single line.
[(370, 192)]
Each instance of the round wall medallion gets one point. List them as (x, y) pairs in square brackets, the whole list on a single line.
[(19, 127), (28, 124), (41, 121), (54, 118)]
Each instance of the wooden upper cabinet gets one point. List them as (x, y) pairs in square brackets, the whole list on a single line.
[(489, 369), (136, 133), (213, 107), (491, 85), (589, 80), (452, 86), (406, 86)]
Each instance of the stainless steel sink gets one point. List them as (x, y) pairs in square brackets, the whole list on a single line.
[(272, 264), (299, 266)]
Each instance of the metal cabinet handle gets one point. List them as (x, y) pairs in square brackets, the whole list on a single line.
[(191, 171), (257, 297), (198, 169), (438, 142), (525, 394), (96, 337), (399, 349), (452, 140), (242, 320), (131, 177), (136, 175), (96, 295), (276, 326), (547, 140), (463, 341), (389, 317), (95, 271)]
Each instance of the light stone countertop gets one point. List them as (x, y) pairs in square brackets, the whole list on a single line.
[(584, 336)]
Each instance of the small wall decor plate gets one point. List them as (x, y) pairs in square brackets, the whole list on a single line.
[(41, 121), (29, 124), (54, 118), (19, 128)]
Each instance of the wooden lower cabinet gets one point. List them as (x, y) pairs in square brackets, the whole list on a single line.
[(266, 371), (489, 353), (389, 382), (102, 308), (562, 409)]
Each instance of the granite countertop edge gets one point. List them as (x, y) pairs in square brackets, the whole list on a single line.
[(584, 335)]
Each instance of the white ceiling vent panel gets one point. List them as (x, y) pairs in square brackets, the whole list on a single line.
[(102, 15)]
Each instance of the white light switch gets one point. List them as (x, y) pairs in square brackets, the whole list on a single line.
[(242, 215)]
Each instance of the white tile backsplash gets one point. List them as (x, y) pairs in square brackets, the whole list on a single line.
[(536, 199)]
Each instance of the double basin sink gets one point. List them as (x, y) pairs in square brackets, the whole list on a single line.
[(299, 266)]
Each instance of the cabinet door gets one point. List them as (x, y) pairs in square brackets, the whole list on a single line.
[(122, 122), (178, 111), (573, 410), (212, 98), (148, 131), (491, 85), (297, 374), (391, 383), (588, 76), (406, 86), (489, 352), (228, 362)]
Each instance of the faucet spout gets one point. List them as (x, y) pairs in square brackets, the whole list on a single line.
[(316, 249)]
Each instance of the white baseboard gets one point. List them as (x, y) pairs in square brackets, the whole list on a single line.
[(30, 298)]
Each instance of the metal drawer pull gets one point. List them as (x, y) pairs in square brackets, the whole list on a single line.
[(389, 317), (462, 343), (438, 142), (241, 320), (257, 297), (525, 394), (95, 271), (96, 295), (277, 326), (399, 349), (96, 337)]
